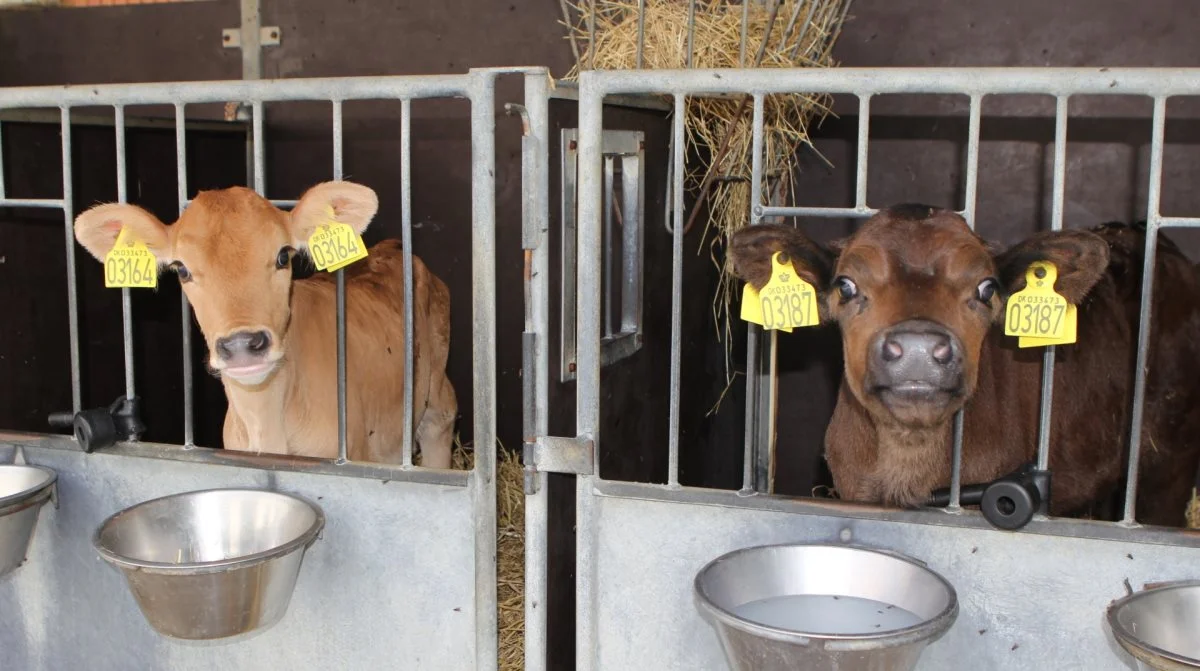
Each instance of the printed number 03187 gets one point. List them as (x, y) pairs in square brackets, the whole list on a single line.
[(784, 311), (1043, 320)]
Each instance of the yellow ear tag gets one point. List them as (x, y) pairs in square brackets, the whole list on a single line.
[(335, 245), (130, 264), (1036, 314), (785, 303)]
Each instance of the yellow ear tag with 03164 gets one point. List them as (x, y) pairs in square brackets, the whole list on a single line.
[(335, 245), (130, 264), (786, 301)]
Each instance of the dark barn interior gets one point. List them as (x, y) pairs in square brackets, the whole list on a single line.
[(917, 151)]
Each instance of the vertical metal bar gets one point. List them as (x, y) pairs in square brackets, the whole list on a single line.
[(787, 30), (864, 134), (634, 234), (691, 50), (745, 24), (72, 288), (587, 387), (3, 194), (762, 46), (537, 213), (970, 192), (764, 467), (676, 292), (1056, 222), (566, 14), (641, 38), (592, 37), (406, 240), (126, 299), (1153, 197), (754, 332), (251, 40), (607, 254), (260, 156), (483, 347), (756, 161), (971, 188), (812, 6), (341, 300), (189, 420)]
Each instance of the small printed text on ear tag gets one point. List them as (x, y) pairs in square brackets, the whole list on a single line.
[(785, 303), (335, 245), (130, 264), (1036, 314)]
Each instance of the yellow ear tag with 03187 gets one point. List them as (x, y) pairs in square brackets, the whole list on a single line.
[(130, 264), (1038, 315), (335, 245), (785, 302)]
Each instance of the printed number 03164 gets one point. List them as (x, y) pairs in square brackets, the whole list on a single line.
[(124, 271)]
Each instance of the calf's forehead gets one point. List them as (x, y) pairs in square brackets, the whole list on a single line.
[(940, 246), (220, 222)]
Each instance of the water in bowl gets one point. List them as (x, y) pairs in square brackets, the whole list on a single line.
[(827, 614)]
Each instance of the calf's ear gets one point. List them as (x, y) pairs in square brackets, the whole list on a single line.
[(1081, 257), (98, 227), (352, 204), (751, 249)]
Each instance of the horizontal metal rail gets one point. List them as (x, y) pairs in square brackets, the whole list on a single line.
[(261, 91), (1155, 82), (271, 462)]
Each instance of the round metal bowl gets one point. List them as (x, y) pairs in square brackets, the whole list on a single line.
[(823, 608), (211, 564), (23, 491), (1159, 626)]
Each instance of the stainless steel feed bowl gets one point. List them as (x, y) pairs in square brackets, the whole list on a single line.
[(1160, 626), (211, 564), (23, 491), (823, 608)]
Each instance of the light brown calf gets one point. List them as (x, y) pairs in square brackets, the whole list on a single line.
[(273, 340)]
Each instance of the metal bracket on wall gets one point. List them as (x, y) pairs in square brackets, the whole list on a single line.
[(268, 36), (553, 454)]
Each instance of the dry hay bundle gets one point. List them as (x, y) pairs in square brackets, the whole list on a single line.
[(510, 550), (783, 34)]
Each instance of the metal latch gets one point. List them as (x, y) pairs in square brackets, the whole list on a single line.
[(552, 454)]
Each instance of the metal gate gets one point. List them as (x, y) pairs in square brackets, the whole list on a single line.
[(405, 573), (1031, 599)]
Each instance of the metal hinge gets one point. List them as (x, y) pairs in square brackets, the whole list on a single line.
[(553, 454)]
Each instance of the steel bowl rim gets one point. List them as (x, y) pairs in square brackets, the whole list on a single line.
[(1127, 639), (926, 630), (302, 540), (25, 495)]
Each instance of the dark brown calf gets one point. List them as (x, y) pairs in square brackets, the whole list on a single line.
[(920, 298)]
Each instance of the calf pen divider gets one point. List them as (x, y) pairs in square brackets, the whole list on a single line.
[(639, 545), (433, 523)]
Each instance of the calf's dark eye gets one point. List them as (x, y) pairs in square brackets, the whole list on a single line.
[(986, 290), (181, 270), (846, 288), (283, 258)]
